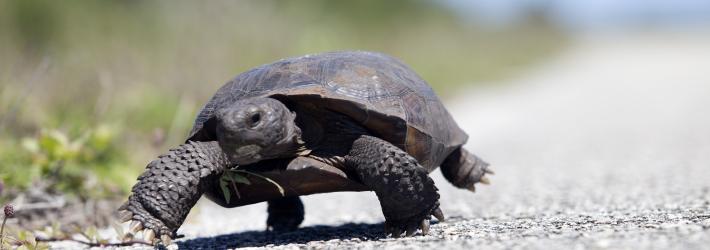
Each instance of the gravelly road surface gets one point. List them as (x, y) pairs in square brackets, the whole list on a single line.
[(606, 146)]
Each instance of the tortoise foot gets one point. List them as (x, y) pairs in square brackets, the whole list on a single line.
[(169, 188), (142, 220), (285, 214), (409, 227)]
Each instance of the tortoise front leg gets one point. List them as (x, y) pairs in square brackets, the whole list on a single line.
[(170, 187), (407, 194)]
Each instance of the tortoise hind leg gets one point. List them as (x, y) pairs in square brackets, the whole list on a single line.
[(464, 169), (285, 214)]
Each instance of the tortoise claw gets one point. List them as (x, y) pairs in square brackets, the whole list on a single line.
[(165, 239), (425, 226), (411, 229), (149, 235), (438, 214), (127, 237), (471, 188), (485, 180), (134, 227), (489, 171), (125, 216)]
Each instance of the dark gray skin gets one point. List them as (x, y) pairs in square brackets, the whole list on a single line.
[(314, 150)]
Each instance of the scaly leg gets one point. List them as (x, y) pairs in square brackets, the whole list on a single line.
[(407, 194), (464, 169), (170, 187)]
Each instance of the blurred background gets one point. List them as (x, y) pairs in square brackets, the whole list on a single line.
[(93, 90), (90, 91)]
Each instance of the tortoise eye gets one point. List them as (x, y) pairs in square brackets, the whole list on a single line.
[(254, 119)]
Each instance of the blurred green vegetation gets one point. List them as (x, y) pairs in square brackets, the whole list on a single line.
[(90, 91), (88, 165)]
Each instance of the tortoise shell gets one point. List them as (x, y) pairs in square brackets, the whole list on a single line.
[(376, 90)]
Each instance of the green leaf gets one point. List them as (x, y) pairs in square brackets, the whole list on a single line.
[(238, 178), (233, 182), (12, 240), (22, 235), (54, 143), (42, 246), (102, 137), (30, 144), (225, 189), (281, 189), (92, 234), (103, 241), (31, 242)]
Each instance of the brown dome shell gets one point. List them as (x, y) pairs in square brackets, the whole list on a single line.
[(378, 91)]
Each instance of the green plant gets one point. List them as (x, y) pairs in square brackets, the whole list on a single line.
[(62, 163), (231, 177), (24, 239), (28, 240)]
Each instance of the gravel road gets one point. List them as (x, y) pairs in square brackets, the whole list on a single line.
[(605, 147)]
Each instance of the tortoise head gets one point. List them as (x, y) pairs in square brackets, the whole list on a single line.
[(255, 129)]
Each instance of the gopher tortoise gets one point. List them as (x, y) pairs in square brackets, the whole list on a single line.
[(338, 121)]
